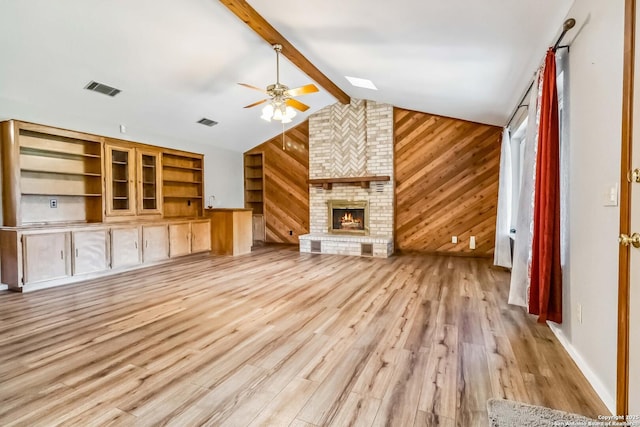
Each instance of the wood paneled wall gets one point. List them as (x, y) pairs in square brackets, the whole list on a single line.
[(446, 183), (286, 191)]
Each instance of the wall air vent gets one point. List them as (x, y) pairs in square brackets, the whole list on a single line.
[(207, 122), (102, 88)]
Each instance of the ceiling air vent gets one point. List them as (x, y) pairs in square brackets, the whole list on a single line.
[(207, 122), (101, 88)]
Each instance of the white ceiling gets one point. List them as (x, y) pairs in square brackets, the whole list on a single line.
[(179, 61)]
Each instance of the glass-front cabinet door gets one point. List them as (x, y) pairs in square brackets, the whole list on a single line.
[(149, 182), (120, 175)]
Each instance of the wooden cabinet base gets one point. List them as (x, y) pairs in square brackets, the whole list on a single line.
[(42, 257), (230, 231)]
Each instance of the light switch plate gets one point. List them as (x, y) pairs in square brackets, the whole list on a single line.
[(610, 197)]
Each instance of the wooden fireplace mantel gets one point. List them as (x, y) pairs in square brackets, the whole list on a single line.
[(363, 181)]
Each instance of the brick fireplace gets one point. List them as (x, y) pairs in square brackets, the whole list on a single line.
[(351, 141)]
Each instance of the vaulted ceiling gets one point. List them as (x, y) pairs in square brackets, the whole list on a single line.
[(179, 61)]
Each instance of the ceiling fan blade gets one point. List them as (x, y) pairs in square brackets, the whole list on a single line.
[(296, 104), (256, 103), (252, 87), (302, 90)]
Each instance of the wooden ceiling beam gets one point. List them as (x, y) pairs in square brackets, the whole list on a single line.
[(257, 23)]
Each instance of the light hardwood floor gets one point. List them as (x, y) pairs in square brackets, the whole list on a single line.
[(279, 338)]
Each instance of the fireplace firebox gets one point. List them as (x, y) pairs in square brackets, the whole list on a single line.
[(348, 216)]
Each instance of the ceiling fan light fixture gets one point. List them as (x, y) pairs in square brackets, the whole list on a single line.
[(289, 113), (277, 114), (267, 112), (281, 104), (278, 111)]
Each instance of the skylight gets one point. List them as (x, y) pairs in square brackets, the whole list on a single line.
[(363, 83)]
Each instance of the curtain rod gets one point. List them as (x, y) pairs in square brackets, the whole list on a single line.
[(568, 24)]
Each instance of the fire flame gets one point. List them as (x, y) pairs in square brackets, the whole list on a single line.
[(347, 217), (347, 221)]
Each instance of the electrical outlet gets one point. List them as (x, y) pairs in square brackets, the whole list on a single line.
[(579, 313), (472, 242), (454, 239), (53, 203)]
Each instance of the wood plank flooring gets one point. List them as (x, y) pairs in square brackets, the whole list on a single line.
[(279, 338)]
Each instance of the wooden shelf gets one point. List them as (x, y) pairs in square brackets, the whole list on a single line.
[(362, 181), (183, 175), (181, 167), (50, 151), (169, 181), (183, 197), (59, 194), (32, 170), (253, 184)]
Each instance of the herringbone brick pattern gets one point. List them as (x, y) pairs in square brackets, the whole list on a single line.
[(349, 137)]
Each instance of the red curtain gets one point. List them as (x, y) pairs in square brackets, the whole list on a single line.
[(545, 294)]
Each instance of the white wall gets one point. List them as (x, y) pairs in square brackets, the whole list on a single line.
[(223, 168), (590, 276)]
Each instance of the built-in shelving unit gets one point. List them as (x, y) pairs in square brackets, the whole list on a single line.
[(58, 178), (77, 205), (254, 183), (182, 184)]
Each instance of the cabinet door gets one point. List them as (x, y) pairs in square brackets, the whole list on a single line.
[(125, 247), (156, 242), (89, 251), (200, 236), (179, 239), (149, 182), (119, 170), (46, 257), (258, 228)]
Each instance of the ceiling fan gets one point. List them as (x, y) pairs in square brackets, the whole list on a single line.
[(281, 99)]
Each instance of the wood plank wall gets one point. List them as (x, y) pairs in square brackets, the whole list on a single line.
[(446, 183), (286, 191)]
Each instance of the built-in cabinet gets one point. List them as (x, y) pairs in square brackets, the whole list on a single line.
[(53, 247), (89, 251), (125, 246), (189, 238), (149, 189), (155, 242), (120, 170), (254, 193), (254, 183), (133, 177), (77, 205), (44, 257), (231, 231)]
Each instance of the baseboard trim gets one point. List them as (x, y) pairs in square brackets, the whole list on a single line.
[(608, 399)]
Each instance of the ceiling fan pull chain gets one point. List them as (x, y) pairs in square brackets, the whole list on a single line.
[(283, 147)]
